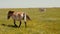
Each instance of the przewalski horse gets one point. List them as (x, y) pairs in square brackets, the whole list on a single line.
[(18, 16)]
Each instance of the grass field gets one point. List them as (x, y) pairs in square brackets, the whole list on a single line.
[(47, 22)]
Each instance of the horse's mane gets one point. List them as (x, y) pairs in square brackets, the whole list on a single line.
[(11, 11)]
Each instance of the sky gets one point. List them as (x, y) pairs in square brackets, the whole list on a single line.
[(29, 3)]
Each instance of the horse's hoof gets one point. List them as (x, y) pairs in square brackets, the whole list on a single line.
[(19, 26), (16, 26)]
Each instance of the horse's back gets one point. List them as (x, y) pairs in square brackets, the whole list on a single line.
[(17, 15)]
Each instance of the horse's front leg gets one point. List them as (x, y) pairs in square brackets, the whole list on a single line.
[(20, 24), (15, 23)]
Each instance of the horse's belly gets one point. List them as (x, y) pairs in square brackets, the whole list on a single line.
[(17, 18)]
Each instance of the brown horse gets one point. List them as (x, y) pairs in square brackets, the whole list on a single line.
[(18, 16), (42, 9)]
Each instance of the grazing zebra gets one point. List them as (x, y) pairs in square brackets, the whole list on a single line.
[(18, 16)]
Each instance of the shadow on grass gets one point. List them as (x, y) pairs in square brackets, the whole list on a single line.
[(9, 25)]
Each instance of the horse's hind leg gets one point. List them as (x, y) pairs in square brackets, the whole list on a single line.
[(25, 24), (15, 23), (20, 24)]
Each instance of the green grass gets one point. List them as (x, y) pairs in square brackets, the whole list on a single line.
[(42, 22)]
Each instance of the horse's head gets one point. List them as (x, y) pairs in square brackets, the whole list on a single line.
[(10, 13)]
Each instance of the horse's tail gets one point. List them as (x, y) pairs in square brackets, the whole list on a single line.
[(28, 17)]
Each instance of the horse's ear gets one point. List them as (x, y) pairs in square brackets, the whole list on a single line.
[(10, 11)]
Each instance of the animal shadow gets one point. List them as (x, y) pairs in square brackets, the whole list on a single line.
[(9, 25)]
